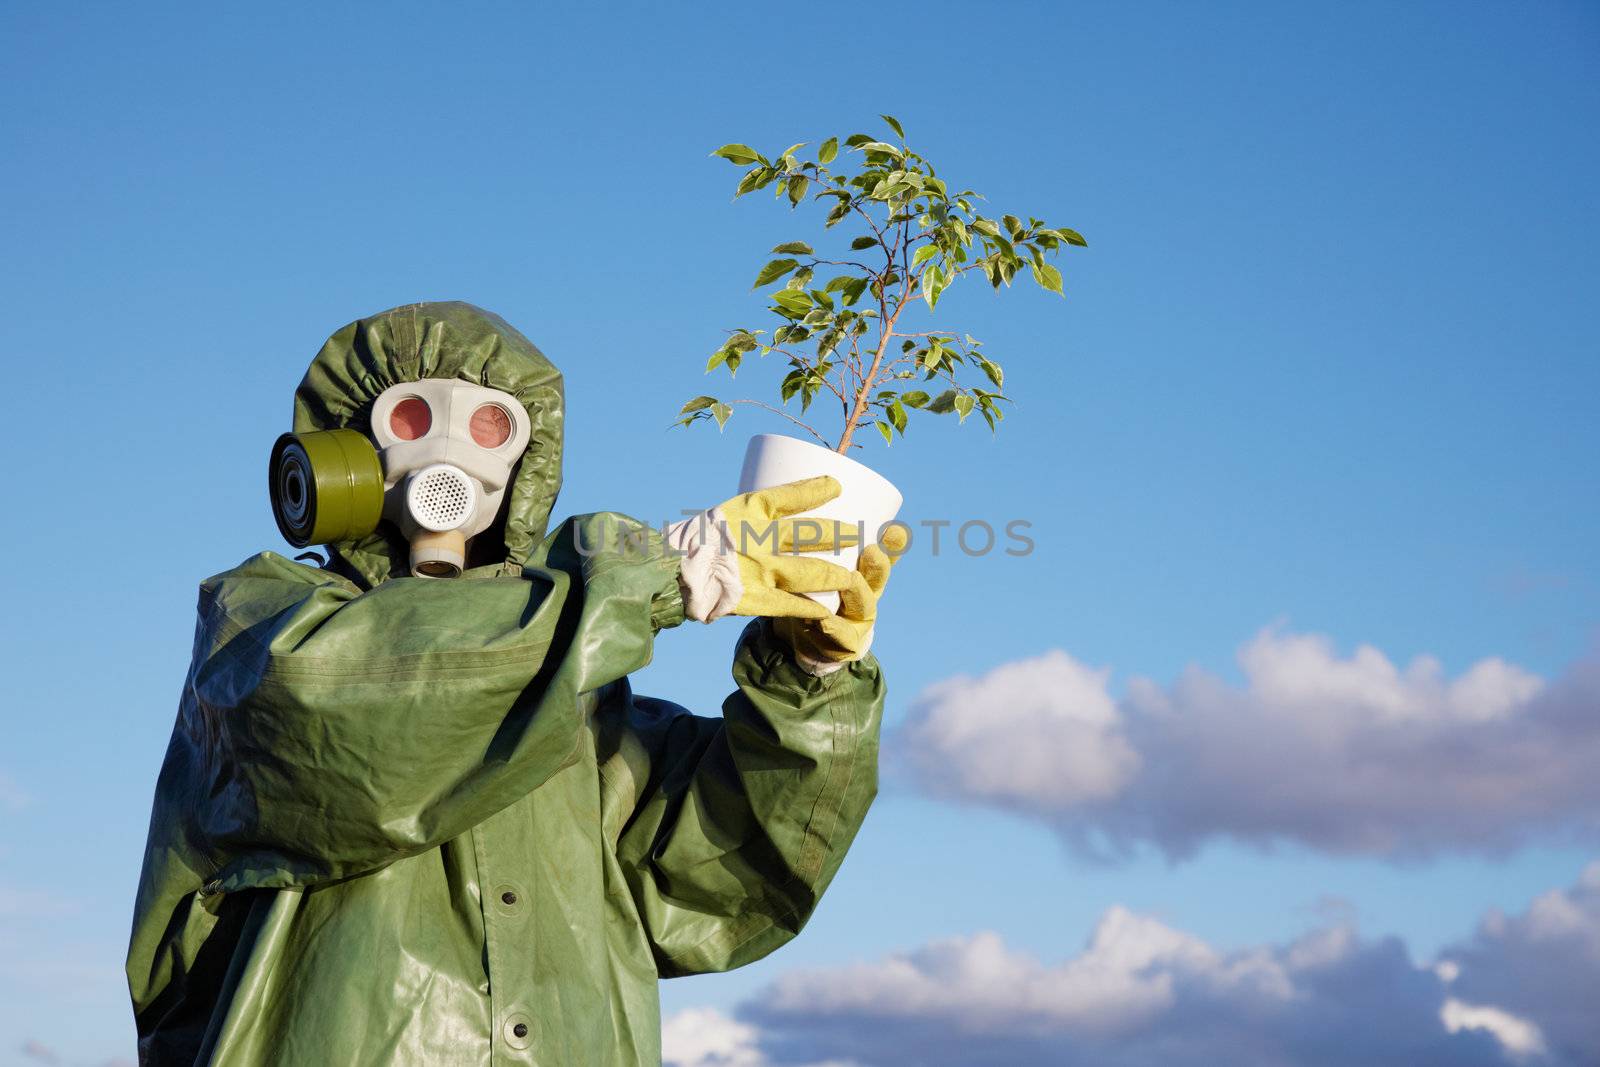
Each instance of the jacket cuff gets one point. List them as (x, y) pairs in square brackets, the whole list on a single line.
[(762, 644), (821, 668)]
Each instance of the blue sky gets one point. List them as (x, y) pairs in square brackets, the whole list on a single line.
[(1328, 365)]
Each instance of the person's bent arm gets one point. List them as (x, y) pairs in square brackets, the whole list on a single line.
[(326, 731), (736, 825)]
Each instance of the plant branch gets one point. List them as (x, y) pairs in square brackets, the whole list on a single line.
[(779, 411), (843, 263), (805, 361)]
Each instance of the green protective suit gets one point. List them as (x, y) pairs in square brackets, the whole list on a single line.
[(412, 821)]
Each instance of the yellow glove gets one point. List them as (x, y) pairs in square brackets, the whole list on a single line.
[(765, 540), (824, 645), (741, 558)]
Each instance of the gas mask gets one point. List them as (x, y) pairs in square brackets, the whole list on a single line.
[(437, 466)]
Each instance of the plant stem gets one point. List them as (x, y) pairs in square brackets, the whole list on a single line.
[(886, 334), (860, 409)]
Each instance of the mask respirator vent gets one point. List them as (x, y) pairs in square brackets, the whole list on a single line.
[(441, 497)]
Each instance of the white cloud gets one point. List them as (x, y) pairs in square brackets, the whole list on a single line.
[(1350, 754), (1075, 752), (1518, 1036), (1519, 993), (1140, 994), (704, 1037), (1124, 979), (1542, 966)]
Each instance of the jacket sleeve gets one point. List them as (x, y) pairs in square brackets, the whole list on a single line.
[(326, 731), (730, 829)]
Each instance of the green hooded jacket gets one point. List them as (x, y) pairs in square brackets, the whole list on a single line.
[(413, 821)]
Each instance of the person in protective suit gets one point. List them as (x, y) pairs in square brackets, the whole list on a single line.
[(414, 821)]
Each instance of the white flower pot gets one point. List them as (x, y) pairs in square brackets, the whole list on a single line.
[(867, 497)]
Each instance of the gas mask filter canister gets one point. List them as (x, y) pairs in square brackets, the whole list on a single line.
[(444, 454)]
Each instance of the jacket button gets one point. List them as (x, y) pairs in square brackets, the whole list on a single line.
[(510, 898), (519, 1031)]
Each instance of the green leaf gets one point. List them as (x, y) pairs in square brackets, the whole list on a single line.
[(916, 398), (963, 405), (1049, 277), (863, 242), (897, 415), (721, 413), (795, 300), (944, 403), (881, 146), (895, 126), (883, 428), (699, 403), (985, 227), (774, 270), (718, 358), (752, 181), (739, 154), (933, 283), (797, 188), (797, 247), (829, 149), (1013, 226), (992, 369), (923, 254), (1072, 237)]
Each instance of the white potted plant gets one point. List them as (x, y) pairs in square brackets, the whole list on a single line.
[(847, 338)]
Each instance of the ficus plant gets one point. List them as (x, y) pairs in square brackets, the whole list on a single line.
[(843, 325)]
